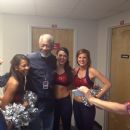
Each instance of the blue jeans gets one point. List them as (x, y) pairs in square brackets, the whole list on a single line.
[(47, 119), (2, 122), (44, 120)]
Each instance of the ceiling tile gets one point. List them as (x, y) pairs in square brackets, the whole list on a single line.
[(78, 9), (17, 6), (53, 12), (57, 3), (96, 10)]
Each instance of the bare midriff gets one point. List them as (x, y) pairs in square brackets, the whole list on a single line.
[(61, 91)]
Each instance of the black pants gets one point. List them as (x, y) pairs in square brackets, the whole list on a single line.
[(63, 111), (84, 116)]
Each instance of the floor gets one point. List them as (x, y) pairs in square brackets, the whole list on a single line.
[(72, 128), (96, 127)]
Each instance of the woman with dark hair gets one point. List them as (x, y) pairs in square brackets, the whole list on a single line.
[(15, 86), (14, 89), (63, 78), (84, 76)]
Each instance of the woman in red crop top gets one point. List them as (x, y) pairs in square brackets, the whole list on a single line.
[(14, 89), (63, 78), (84, 76)]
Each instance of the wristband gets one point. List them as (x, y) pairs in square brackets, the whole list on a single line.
[(85, 101), (128, 106)]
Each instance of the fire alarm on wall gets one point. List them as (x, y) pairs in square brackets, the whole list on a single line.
[(122, 22), (54, 25)]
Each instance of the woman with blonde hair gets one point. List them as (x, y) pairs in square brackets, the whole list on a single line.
[(85, 75)]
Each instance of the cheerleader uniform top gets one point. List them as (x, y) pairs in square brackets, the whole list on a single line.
[(85, 81), (61, 79), (18, 97)]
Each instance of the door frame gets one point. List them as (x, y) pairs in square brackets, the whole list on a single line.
[(108, 63), (75, 45)]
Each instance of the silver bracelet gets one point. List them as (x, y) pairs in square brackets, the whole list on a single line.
[(85, 101)]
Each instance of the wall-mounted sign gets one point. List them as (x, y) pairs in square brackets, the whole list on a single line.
[(56, 46), (54, 25), (126, 56), (122, 22)]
